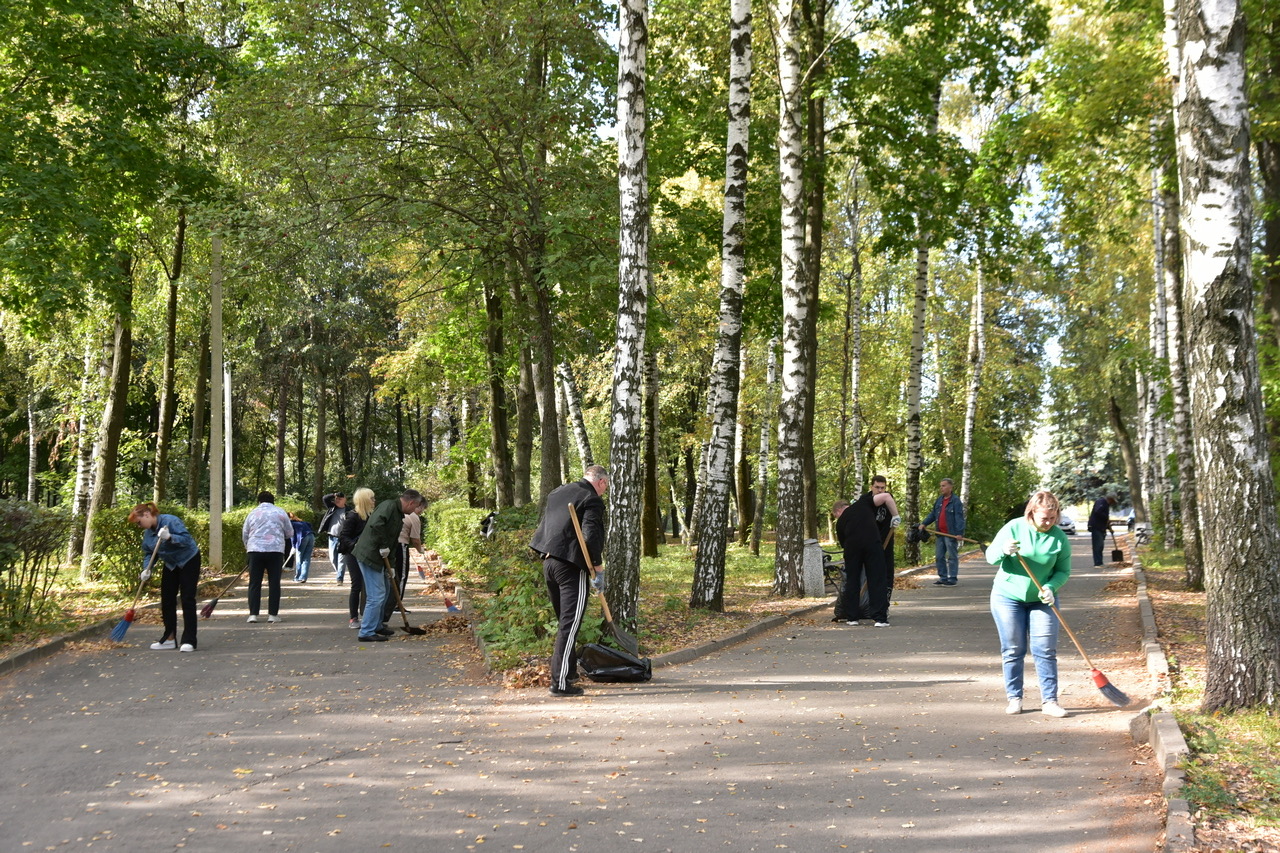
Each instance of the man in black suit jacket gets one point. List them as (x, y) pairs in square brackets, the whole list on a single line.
[(567, 569)]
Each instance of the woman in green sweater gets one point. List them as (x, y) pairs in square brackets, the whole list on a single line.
[(1023, 613)]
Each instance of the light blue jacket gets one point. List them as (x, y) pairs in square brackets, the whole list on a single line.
[(175, 553), (955, 515)]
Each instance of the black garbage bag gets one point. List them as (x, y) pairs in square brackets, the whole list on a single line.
[(603, 663)]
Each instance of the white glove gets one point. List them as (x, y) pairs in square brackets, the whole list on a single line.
[(146, 575), (1012, 548), (163, 534), (895, 522), (1046, 595), (385, 552)]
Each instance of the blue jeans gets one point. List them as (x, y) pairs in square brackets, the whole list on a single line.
[(1020, 622), (302, 561), (947, 555), (335, 559), (375, 593)]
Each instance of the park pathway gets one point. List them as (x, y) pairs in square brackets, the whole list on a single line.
[(811, 737)]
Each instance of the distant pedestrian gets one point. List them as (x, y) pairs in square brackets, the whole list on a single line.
[(335, 505), (353, 523), (179, 557), (566, 569), (1100, 525), (373, 552), (304, 542), (1024, 614), (266, 534), (948, 512)]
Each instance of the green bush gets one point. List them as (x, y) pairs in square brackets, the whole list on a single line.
[(31, 539)]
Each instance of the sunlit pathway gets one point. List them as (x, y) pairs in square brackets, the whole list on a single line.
[(813, 737)]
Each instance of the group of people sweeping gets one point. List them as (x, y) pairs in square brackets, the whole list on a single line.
[(367, 537)]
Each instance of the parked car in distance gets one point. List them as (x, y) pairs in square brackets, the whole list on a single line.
[(1067, 524)]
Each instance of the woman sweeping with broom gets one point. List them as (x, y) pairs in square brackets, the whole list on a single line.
[(1022, 606), (180, 556)]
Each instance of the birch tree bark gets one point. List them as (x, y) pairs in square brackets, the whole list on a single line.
[(1241, 533), (1183, 446), (625, 425), (762, 456), (977, 359), (573, 398), (788, 568), (84, 462), (708, 565)]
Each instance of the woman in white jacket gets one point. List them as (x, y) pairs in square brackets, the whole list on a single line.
[(267, 534)]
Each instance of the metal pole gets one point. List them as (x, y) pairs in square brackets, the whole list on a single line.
[(215, 403)]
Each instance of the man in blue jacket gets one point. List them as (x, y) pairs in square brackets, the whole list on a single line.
[(948, 512)]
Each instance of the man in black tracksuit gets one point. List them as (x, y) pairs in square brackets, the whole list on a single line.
[(567, 569)]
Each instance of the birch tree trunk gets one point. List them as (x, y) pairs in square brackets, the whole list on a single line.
[(625, 425), (1241, 534), (742, 461), (1183, 446), (33, 446), (789, 562), (813, 78), (574, 400), (762, 457), (84, 462), (853, 346), (977, 358), (651, 523), (708, 564)]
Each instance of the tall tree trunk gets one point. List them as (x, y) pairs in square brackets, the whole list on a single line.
[(1132, 467), (813, 81), (526, 409), (1242, 588), (168, 398), (33, 447), (977, 358), (708, 565), (745, 500), (626, 426), (499, 434), (300, 443), (284, 392), (651, 523), (854, 309), (762, 459), (341, 415), (915, 461), (104, 478), (84, 461), (195, 465), (573, 399), (1182, 440), (792, 417), (318, 490)]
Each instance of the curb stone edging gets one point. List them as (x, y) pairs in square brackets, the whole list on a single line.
[(1157, 726)]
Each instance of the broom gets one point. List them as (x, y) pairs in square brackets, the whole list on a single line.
[(207, 610), (122, 627), (436, 564), (1113, 694)]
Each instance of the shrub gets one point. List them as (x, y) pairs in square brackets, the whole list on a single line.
[(31, 538)]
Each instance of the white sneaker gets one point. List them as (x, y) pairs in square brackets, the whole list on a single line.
[(187, 647), (853, 622), (164, 644), (1014, 707), (882, 624), (274, 619), (1053, 709), (252, 619)]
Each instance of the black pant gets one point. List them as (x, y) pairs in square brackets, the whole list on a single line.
[(567, 586), (864, 565), (269, 563), (180, 584), (1099, 542), (355, 598), (399, 577)]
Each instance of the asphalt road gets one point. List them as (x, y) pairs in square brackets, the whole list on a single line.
[(811, 737)]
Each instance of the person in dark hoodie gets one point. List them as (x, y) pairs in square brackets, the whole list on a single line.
[(373, 552), (566, 569), (335, 505)]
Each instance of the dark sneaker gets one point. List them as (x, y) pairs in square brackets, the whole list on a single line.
[(939, 582), (571, 690), (376, 638), (384, 632)]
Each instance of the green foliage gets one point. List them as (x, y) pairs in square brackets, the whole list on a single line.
[(31, 538)]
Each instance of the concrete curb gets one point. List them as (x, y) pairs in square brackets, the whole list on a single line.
[(1158, 727)]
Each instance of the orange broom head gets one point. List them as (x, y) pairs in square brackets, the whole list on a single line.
[(1099, 678)]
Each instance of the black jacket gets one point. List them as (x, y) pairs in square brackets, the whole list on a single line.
[(555, 535), (352, 527)]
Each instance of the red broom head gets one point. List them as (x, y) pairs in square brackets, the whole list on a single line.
[(129, 614), (1113, 694)]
